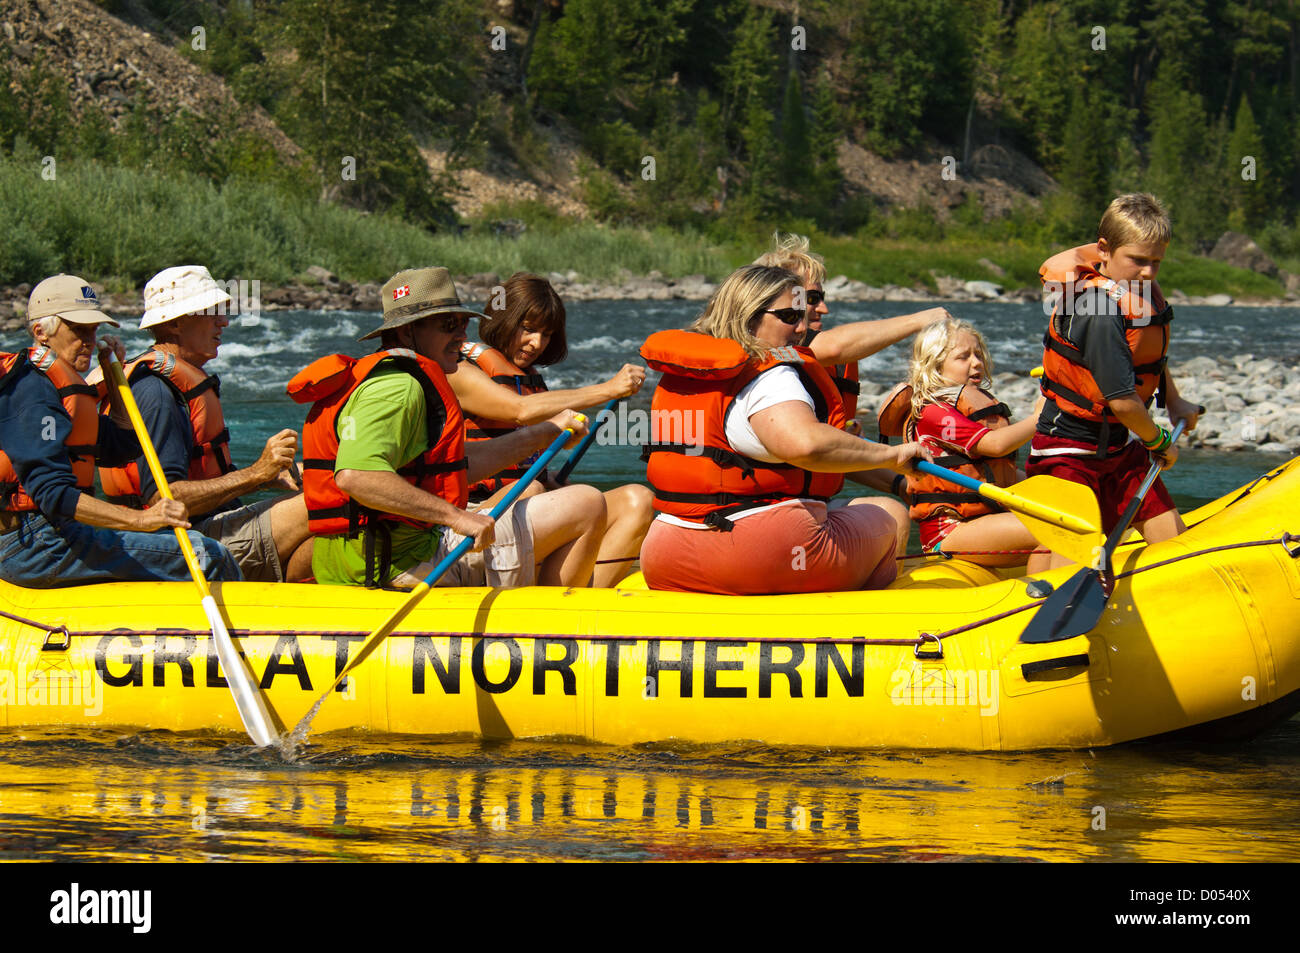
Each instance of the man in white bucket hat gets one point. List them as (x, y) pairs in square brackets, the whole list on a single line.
[(53, 532), (185, 309)]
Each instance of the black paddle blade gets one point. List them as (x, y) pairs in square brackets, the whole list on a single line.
[(1073, 609)]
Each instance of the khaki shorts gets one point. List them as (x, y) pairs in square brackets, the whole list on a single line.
[(246, 532), (507, 563)]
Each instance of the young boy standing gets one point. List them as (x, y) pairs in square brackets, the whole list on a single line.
[(1104, 361)]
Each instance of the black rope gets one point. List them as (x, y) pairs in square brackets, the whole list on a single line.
[(1284, 540)]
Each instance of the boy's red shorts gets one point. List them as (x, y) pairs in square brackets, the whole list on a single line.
[(1114, 480)]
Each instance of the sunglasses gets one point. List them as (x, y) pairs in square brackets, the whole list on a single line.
[(814, 298), (450, 324), (788, 315)]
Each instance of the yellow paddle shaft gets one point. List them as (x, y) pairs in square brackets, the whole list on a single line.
[(1035, 509), (155, 467)]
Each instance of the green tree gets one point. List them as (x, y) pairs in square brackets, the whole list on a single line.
[(794, 134), (908, 67), (367, 83), (1185, 165), (748, 120), (1089, 147), (1253, 182)]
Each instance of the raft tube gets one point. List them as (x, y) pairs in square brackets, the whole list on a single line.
[(1201, 638)]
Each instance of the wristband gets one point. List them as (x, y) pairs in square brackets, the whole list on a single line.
[(1160, 442)]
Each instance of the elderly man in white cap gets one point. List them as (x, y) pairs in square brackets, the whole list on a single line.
[(53, 532), (185, 309)]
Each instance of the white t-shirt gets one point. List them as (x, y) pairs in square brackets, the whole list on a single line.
[(775, 386)]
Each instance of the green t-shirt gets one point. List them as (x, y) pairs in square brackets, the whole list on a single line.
[(381, 427)]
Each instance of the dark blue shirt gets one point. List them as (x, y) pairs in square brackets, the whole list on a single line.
[(167, 419), (1093, 324), (34, 430)]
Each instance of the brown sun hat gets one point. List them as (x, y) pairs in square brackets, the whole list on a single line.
[(417, 293)]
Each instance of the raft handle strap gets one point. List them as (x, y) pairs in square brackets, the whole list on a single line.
[(1052, 664), (1291, 543)]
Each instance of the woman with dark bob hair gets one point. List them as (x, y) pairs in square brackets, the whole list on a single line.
[(500, 389), (744, 507)]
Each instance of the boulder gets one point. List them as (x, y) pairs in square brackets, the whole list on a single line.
[(983, 289), (322, 276), (1240, 251), (948, 286), (1217, 301)]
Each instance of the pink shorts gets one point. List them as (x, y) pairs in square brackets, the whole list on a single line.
[(795, 547)]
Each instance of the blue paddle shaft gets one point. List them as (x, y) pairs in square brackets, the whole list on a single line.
[(513, 494), (581, 448), (952, 476)]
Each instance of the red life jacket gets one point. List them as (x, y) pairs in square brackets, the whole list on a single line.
[(934, 496), (705, 480), (80, 400), (845, 379), (493, 363), (328, 383), (1146, 329), (201, 393)]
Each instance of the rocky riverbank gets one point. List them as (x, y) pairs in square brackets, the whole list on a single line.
[(1250, 403), (320, 290)]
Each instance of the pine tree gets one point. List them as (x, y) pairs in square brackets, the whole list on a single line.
[(1253, 182), (1184, 168), (794, 135)]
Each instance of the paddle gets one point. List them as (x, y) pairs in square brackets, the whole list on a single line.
[(605, 413), (1076, 607), (248, 698), (386, 627), (1063, 516)]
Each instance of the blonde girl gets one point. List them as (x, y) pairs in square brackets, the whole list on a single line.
[(955, 416)]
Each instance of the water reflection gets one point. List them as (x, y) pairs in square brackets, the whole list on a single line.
[(93, 795)]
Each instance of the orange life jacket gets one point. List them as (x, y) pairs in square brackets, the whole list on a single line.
[(327, 383), (705, 480), (1146, 317), (80, 400), (845, 379), (934, 496), (201, 393), (502, 371)]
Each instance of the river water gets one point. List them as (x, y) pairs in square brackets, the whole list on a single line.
[(105, 794)]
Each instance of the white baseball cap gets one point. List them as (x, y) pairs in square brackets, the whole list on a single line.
[(176, 292)]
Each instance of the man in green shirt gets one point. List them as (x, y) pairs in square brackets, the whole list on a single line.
[(384, 427)]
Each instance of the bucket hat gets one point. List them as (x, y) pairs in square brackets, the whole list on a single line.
[(176, 292), (417, 293), (67, 297)]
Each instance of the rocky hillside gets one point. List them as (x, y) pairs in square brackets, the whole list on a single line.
[(109, 63)]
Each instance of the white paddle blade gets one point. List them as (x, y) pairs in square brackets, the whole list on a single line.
[(248, 699), (1073, 498)]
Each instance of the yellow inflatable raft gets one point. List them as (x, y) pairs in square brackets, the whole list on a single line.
[(1202, 637)]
